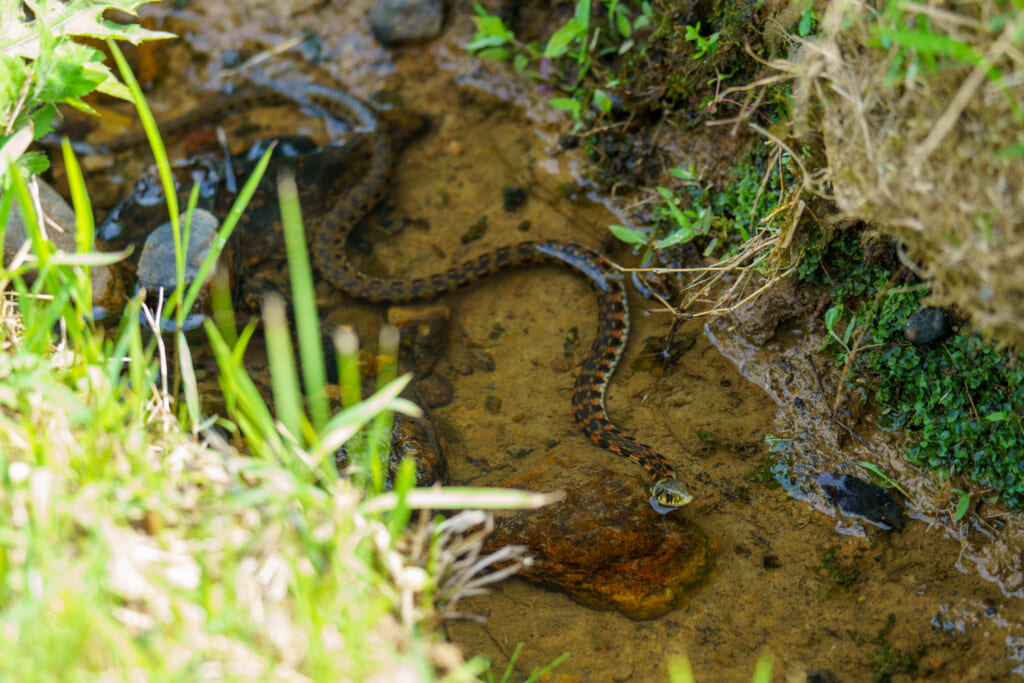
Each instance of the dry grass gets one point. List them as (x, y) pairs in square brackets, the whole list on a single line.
[(930, 156)]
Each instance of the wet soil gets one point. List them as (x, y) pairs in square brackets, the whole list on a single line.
[(820, 593)]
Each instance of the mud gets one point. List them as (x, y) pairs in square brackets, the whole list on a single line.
[(818, 591)]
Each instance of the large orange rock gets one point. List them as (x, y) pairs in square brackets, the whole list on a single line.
[(603, 544)]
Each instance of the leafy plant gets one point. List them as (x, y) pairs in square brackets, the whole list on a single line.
[(704, 46), (571, 58), (41, 66), (958, 400)]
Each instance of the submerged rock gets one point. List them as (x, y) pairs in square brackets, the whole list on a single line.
[(603, 544), (856, 497), (410, 437)]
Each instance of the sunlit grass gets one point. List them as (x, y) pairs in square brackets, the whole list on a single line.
[(130, 550)]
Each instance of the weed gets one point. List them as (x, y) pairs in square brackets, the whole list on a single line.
[(571, 60), (887, 481)]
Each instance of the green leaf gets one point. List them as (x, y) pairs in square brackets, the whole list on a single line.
[(603, 102), (628, 235), (74, 18), (559, 43), (566, 104), (622, 23), (497, 54), (681, 236), (962, 505)]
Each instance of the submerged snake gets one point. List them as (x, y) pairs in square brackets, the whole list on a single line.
[(329, 254)]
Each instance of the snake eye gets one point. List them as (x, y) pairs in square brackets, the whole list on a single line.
[(671, 493)]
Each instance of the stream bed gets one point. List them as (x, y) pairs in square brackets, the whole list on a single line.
[(830, 597)]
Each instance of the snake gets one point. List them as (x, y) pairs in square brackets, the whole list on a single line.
[(329, 253)]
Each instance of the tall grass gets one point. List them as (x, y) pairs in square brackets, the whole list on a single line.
[(130, 549)]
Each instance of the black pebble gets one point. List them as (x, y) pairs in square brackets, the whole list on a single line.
[(513, 198), (925, 326)]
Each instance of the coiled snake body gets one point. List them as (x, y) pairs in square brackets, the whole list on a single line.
[(329, 255)]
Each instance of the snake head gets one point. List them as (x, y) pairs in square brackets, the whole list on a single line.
[(668, 494)]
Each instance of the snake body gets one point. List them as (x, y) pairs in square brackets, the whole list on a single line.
[(329, 252)]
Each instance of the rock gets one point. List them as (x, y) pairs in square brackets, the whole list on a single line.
[(157, 264), (406, 21), (107, 289), (422, 332), (435, 391), (603, 544), (925, 326), (856, 497), (411, 437)]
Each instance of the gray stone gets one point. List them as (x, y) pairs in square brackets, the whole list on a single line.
[(406, 21), (107, 291), (156, 264)]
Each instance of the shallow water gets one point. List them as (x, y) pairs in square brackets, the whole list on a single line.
[(782, 556)]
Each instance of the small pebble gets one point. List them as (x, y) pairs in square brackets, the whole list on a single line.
[(492, 404), (562, 364), (512, 198), (462, 368), (925, 326)]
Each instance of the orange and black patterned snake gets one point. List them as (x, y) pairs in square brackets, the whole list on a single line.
[(329, 256)]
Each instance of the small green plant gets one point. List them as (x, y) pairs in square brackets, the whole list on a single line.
[(704, 46), (570, 62), (41, 66), (718, 223), (887, 481), (808, 20)]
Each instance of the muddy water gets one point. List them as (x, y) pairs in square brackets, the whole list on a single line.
[(817, 592)]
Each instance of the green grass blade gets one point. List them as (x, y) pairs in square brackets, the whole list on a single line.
[(281, 359), (226, 229), (307, 322)]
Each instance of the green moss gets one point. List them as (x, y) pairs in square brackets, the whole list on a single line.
[(838, 575), (958, 400)]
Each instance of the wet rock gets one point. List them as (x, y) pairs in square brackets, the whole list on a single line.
[(422, 333), (157, 264), (410, 437), (757, 320), (435, 391), (406, 21), (857, 497), (107, 289), (925, 326), (604, 545)]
